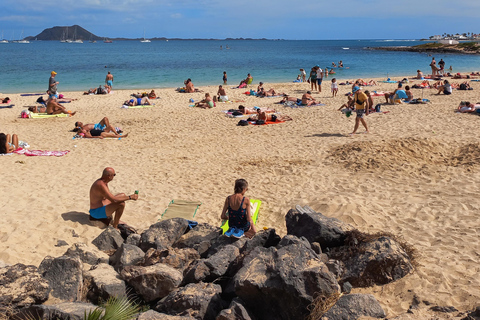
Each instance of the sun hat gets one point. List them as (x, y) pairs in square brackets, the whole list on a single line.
[(53, 72), (355, 89)]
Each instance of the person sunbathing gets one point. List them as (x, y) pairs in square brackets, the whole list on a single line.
[(466, 108), (99, 134), (189, 88), (206, 103), (53, 107), (409, 94), (286, 98), (253, 110), (152, 95), (8, 143), (90, 91), (138, 102), (38, 109), (307, 99), (419, 75), (104, 125), (5, 100), (262, 115)]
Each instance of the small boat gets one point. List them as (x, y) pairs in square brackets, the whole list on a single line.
[(144, 40), (3, 39), (107, 41), (23, 40)]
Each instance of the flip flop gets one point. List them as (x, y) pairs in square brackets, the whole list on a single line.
[(229, 232)]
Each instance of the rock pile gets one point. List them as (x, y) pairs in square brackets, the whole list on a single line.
[(201, 274)]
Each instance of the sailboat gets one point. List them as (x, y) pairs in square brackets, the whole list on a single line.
[(106, 40), (3, 39), (22, 39), (75, 40), (64, 36), (144, 40)]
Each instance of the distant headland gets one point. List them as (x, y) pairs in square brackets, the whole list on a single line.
[(438, 47)]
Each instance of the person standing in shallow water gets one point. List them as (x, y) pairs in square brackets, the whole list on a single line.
[(109, 80)]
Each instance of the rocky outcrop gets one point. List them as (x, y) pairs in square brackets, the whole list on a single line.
[(66, 310), (153, 315), (163, 234), (21, 286), (152, 282), (199, 300), (126, 255), (199, 238), (64, 275), (236, 311), (109, 239), (174, 257), (103, 282), (87, 254), (315, 227), (354, 306)]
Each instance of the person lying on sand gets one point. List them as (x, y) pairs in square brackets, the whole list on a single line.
[(90, 91), (261, 115), (467, 108), (5, 100), (307, 99), (206, 103), (286, 98), (98, 134), (53, 107), (103, 204), (253, 110), (138, 102), (104, 125), (8, 143)]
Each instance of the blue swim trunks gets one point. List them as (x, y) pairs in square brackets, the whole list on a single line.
[(98, 213), (98, 126), (110, 83), (319, 81)]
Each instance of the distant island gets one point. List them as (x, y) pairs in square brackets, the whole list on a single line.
[(77, 33), (436, 47)]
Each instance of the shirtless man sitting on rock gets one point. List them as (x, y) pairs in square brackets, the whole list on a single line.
[(103, 204)]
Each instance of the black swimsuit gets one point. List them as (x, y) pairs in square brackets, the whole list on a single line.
[(238, 218)]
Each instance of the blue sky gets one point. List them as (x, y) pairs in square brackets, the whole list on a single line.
[(285, 19)]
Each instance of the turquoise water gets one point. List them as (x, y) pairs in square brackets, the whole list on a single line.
[(26, 67)]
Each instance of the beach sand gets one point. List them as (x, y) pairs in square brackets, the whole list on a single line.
[(415, 175)]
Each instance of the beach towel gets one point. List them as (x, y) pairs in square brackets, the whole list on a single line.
[(44, 115), (7, 107), (31, 94), (388, 81), (137, 107), (181, 209), (377, 93), (267, 122), (31, 153), (254, 211)]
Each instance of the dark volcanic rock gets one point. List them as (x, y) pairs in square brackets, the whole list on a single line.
[(174, 257), (163, 234), (199, 300), (133, 239), (236, 311), (199, 238), (86, 254), (21, 286), (152, 282), (280, 283), (66, 310), (315, 227), (153, 315), (354, 306), (102, 282), (64, 275), (126, 255), (376, 262), (109, 239)]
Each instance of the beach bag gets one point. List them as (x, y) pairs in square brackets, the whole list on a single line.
[(260, 122), (377, 107), (242, 123)]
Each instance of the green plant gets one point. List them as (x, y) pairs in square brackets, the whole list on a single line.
[(114, 309)]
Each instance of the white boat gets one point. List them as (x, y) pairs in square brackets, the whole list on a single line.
[(23, 40), (64, 36), (144, 40), (75, 40), (3, 39)]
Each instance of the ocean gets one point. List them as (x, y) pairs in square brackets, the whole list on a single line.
[(160, 64)]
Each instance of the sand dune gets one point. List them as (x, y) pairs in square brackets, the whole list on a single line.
[(415, 175)]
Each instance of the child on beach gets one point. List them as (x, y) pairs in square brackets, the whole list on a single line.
[(224, 77), (304, 75), (237, 211), (334, 87)]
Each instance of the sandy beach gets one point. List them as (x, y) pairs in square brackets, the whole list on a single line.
[(415, 175)]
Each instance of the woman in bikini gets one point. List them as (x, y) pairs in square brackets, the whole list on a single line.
[(8, 143), (237, 211)]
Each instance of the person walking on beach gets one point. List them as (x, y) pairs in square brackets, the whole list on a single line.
[(433, 65), (52, 85), (312, 78), (360, 99), (303, 74), (441, 64), (103, 204), (319, 77), (224, 77), (109, 80)]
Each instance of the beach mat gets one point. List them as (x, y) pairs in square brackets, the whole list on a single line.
[(181, 209), (31, 94), (254, 210), (138, 107), (268, 122), (7, 107), (44, 115)]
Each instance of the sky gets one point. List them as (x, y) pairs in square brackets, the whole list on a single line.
[(219, 19)]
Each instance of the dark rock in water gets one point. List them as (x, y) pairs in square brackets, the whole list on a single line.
[(377, 262), (280, 283), (315, 227), (153, 315), (236, 311), (354, 306), (21, 286), (126, 255), (109, 239), (215, 266), (174, 257), (163, 234), (133, 239), (199, 238), (443, 309), (66, 310), (199, 300), (64, 275), (152, 282), (61, 243), (86, 254), (103, 282)]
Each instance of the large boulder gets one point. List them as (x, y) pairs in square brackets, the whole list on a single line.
[(133, 239), (354, 306), (375, 262), (109, 239), (236, 311), (174, 257), (163, 234), (65, 310), (315, 227), (103, 282), (199, 238), (64, 275), (152, 282), (199, 300), (21, 286), (214, 267), (87, 254), (153, 315), (126, 255), (280, 283)]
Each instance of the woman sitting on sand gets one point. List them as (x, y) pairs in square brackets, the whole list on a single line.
[(419, 75), (206, 103), (152, 95), (237, 211), (409, 94), (138, 102), (349, 106), (8, 144)]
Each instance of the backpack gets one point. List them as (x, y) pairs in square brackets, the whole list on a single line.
[(463, 86), (242, 123)]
